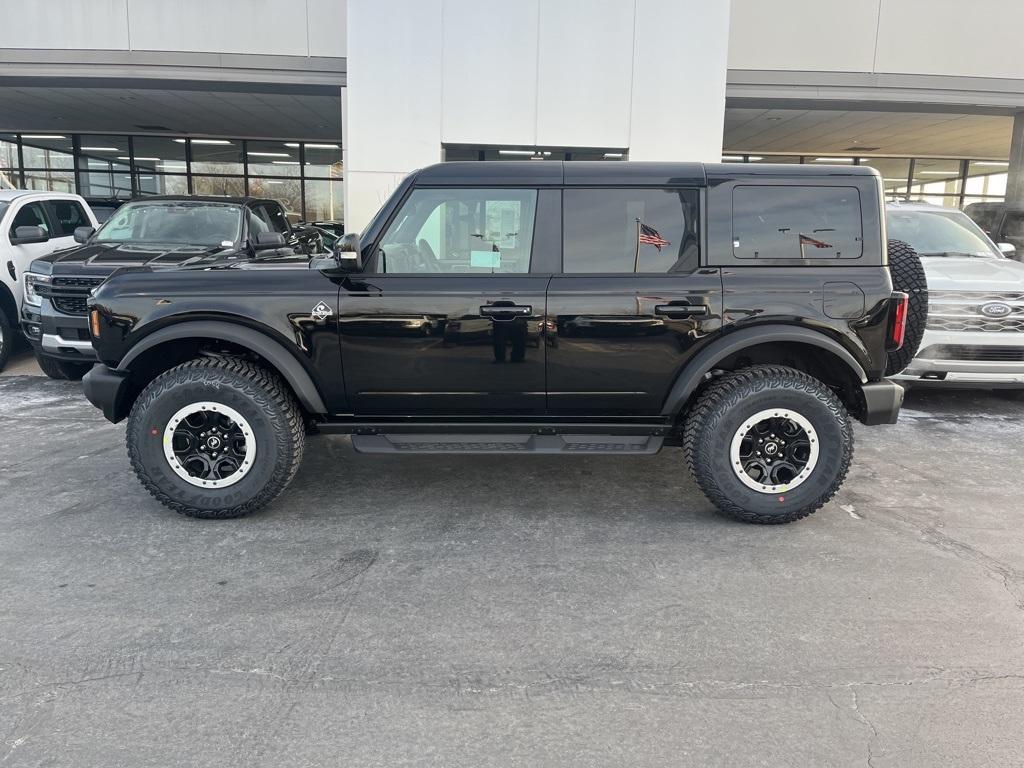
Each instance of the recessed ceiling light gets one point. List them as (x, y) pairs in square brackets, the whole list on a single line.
[(833, 159), (992, 163), (41, 136), (732, 158), (203, 141), (101, 149), (268, 154), (319, 146)]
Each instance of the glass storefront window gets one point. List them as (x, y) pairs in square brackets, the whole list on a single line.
[(158, 154), (50, 181), (322, 160), (9, 151), (162, 184), (44, 150), (324, 200), (288, 192), (895, 172), (219, 186), (935, 177), (272, 158), (215, 155), (986, 177)]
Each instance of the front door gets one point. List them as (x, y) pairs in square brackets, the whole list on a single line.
[(632, 300), (448, 317)]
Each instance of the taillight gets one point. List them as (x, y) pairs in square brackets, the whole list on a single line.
[(898, 323)]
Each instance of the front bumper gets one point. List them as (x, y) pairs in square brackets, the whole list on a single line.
[(54, 334), (107, 388), (882, 401), (937, 362)]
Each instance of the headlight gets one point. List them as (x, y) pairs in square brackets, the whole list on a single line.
[(35, 287)]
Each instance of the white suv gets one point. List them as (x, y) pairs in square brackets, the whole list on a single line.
[(975, 330), (32, 224)]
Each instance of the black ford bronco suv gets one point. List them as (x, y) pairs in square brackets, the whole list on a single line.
[(160, 232), (745, 313)]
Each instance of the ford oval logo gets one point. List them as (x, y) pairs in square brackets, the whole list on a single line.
[(996, 309)]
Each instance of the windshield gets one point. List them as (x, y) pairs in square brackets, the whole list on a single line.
[(173, 222), (939, 233)]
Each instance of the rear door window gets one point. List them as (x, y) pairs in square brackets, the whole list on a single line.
[(620, 231), (796, 222), (67, 216)]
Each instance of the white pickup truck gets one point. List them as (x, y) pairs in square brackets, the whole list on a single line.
[(32, 224)]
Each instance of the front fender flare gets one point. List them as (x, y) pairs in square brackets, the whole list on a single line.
[(263, 345), (706, 360)]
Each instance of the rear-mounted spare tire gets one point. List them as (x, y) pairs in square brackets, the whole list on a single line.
[(908, 276)]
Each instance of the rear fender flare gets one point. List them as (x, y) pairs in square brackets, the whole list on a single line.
[(706, 360), (263, 345)]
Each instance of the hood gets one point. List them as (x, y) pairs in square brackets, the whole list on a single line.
[(949, 273), (114, 255)]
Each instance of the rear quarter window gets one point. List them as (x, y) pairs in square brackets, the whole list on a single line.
[(796, 222)]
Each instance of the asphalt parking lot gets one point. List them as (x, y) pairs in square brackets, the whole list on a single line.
[(532, 611)]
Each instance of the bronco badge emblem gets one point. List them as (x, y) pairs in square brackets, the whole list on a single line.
[(321, 311)]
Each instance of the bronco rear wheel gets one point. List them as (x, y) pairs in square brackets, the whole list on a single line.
[(768, 444), (215, 437)]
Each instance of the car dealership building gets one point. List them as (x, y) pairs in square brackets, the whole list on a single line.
[(326, 104)]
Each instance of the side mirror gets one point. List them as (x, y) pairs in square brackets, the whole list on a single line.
[(82, 234), (266, 241), (348, 253), (1007, 249), (29, 235)]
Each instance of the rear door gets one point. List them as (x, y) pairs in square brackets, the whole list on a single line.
[(447, 318), (632, 299)]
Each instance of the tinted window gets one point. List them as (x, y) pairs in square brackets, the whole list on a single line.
[(487, 231), (627, 230), (68, 215), (30, 215), (792, 222), (273, 217)]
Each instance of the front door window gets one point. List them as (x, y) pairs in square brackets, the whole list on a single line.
[(461, 231)]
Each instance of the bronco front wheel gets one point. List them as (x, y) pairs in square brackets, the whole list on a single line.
[(215, 437), (768, 444)]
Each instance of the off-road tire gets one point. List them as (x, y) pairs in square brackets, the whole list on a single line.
[(729, 401), (258, 395), (908, 276), (7, 338), (62, 370)]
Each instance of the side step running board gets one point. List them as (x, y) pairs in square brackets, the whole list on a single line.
[(508, 443)]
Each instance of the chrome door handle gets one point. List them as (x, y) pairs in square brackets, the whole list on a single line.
[(681, 310), (506, 310)]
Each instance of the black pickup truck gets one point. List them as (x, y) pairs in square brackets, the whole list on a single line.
[(744, 313), (159, 232)]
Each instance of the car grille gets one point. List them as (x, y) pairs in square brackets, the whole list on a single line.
[(961, 311), (68, 294), (973, 353)]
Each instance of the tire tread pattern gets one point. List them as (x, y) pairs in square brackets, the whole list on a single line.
[(265, 388), (908, 276), (726, 393)]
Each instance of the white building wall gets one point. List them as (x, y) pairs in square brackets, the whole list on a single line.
[(292, 28), (643, 75), (975, 38)]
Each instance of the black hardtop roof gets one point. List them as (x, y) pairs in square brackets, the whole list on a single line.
[(619, 173), (200, 199)]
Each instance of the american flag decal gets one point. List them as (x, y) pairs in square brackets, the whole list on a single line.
[(808, 240), (651, 236)]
